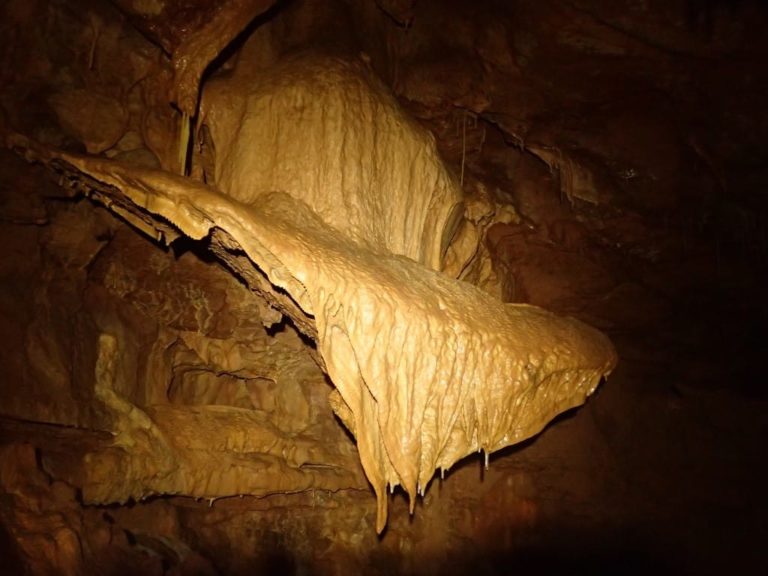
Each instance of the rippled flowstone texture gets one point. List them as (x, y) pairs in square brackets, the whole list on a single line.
[(426, 369)]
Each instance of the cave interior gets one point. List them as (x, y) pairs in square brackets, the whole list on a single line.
[(383, 287)]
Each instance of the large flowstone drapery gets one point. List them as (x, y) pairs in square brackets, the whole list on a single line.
[(426, 369)]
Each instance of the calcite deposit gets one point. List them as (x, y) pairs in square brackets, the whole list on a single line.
[(328, 132), (426, 369), (272, 272)]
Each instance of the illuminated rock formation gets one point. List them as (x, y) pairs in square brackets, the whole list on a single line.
[(327, 132), (427, 369)]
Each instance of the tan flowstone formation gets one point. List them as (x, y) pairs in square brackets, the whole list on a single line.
[(426, 369), (327, 132)]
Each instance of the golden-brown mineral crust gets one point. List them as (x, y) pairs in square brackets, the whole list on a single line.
[(327, 131), (193, 33), (427, 369)]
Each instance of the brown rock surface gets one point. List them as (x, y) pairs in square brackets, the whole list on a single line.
[(608, 159), (491, 376)]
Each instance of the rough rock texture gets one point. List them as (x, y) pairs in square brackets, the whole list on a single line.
[(158, 345), (329, 133), (491, 374), (428, 370), (611, 164)]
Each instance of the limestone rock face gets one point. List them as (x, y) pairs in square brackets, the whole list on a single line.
[(336, 208), (427, 369), (103, 126), (174, 377), (611, 163)]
